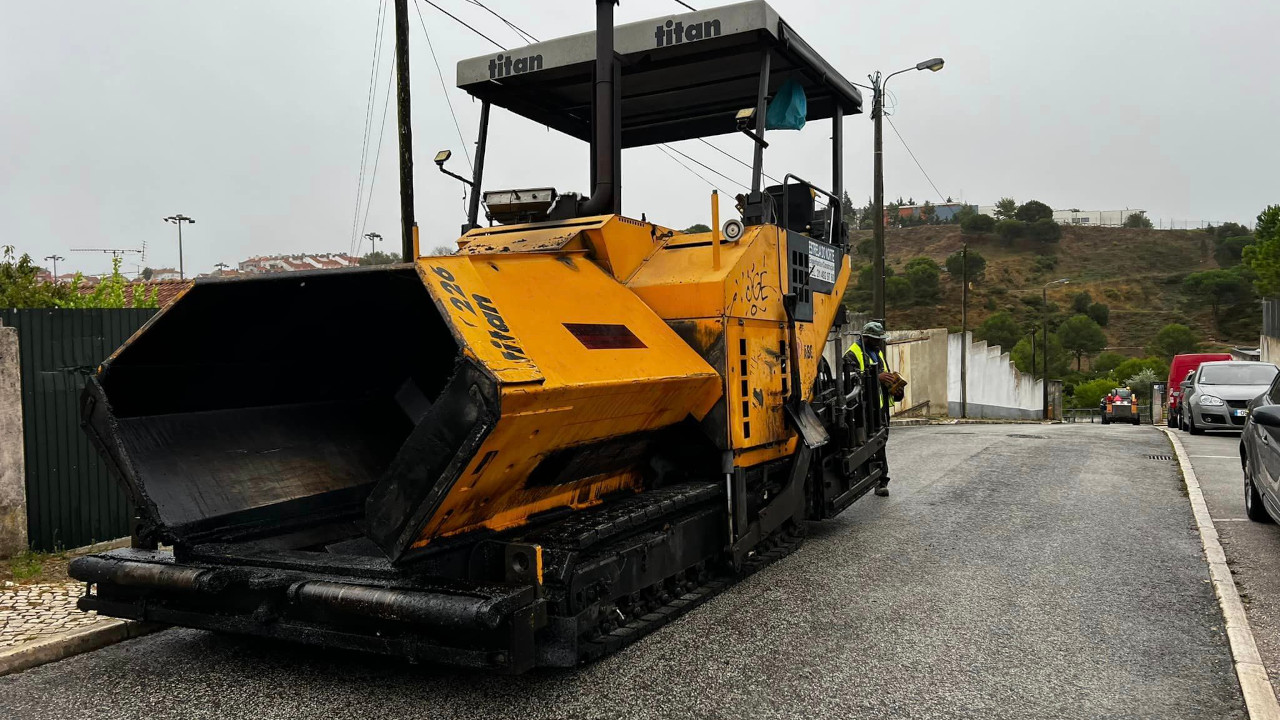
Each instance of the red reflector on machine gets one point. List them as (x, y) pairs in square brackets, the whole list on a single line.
[(604, 337)]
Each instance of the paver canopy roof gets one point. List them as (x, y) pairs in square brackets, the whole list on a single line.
[(683, 76)]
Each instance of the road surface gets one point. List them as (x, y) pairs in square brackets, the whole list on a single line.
[(1016, 571)]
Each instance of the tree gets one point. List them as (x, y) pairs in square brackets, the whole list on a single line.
[(1059, 361), (923, 273), (975, 223), (1000, 329), (1230, 251), (1099, 313), (929, 213), (897, 291), (1081, 336), (1140, 382), (1010, 230), (955, 264), (440, 250), (1033, 210), (147, 273), (19, 287), (1006, 208), (1174, 339), (1216, 287), (1080, 302), (697, 228), (1228, 230), (1107, 361), (377, 257), (1263, 258), (1138, 220), (866, 247), (1089, 394), (1045, 230), (1133, 366)]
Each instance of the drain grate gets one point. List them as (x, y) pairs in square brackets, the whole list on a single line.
[(1158, 457), (1030, 437)]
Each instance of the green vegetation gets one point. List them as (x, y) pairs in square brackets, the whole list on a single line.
[(922, 274), (19, 288), (1033, 211), (377, 257), (1089, 394), (1263, 257), (1174, 339), (1081, 336), (1010, 230), (1138, 220), (1000, 329), (1107, 361), (1217, 287), (956, 264), (1006, 208), (700, 228), (975, 223)]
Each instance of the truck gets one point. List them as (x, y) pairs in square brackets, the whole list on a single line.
[(539, 448)]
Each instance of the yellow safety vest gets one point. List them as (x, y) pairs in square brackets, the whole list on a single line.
[(856, 349)]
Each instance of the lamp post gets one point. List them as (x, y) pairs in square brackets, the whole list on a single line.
[(373, 239), (1044, 310), (964, 330), (877, 116), (178, 220), (55, 258)]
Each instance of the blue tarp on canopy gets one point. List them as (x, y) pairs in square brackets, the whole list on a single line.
[(788, 109)]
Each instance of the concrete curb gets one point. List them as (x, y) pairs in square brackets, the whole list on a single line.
[(72, 642), (1255, 684)]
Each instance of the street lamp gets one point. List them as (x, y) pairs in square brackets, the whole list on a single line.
[(877, 112), (178, 220), (55, 258), (373, 239), (1044, 311)]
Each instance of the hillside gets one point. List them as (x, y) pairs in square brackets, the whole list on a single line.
[(1137, 273)]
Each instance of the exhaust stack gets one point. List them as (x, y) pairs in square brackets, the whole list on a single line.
[(606, 131)]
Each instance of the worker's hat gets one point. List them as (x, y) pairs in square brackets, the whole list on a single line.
[(873, 329)]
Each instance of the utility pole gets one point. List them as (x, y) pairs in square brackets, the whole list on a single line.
[(877, 117), (55, 259), (178, 220), (1044, 312), (964, 330), (406, 132)]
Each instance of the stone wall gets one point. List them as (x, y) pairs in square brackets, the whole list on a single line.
[(13, 481), (995, 389)]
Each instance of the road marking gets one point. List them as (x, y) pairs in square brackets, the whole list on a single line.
[(1220, 457), (1255, 685), (1229, 519)]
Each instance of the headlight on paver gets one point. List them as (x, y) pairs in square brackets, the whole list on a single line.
[(1210, 400)]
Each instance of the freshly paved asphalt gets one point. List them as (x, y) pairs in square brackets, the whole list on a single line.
[(1252, 549), (1016, 571)]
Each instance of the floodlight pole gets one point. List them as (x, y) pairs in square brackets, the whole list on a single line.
[(1044, 312), (55, 258), (878, 83), (178, 220)]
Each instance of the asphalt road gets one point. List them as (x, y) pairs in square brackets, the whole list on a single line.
[(1252, 549), (1016, 571)]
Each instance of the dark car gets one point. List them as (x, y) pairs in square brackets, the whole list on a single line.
[(1260, 455), (1220, 392)]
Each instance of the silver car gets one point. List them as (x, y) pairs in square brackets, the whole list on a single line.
[(1218, 395)]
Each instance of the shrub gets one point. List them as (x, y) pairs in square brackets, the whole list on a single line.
[(1044, 230), (1137, 220), (1032, 211), (1010, 230), (1108, 361), (977, 223), (1099, 313), (897, 291), (922, 273), (1089, 394), (977, 264)]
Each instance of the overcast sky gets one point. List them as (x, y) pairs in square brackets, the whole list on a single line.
[(249, 116)]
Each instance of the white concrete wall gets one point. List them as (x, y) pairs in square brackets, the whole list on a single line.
[(13, 479), (995, 387)]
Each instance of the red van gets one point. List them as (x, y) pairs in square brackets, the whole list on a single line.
[(1178, 369)]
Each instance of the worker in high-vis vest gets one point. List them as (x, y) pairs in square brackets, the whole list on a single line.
[(868, 352)]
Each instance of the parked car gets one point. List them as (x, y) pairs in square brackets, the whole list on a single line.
[(1180, 369), (1120, 405), (1260, 455), (1219, 394)]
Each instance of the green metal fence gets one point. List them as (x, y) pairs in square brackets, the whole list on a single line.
[(72, 500)]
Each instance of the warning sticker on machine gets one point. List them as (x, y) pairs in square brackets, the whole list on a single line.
[(822, 262)]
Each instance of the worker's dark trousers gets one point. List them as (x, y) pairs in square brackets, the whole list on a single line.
[(883, 457)]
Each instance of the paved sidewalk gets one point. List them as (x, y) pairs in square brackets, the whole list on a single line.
[(36, 611)]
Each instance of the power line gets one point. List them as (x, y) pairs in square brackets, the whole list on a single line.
[(738, 160), (464, 24), (368, 119), (443, 87), (663, 148), (681, 2), (913, 157), (705, 166), (377, 156), (509, 24)]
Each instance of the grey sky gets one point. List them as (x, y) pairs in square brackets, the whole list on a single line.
[(248, 116)]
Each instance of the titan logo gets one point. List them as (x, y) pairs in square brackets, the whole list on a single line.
[(503, 66), (675, 33)]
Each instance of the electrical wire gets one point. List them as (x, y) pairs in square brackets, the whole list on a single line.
[(706, 166), (663, 148), (513, 26), (378, 155), (443, 87), (738, 160), (681, 2), (913, 157), (464, 24), (368, 119)]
